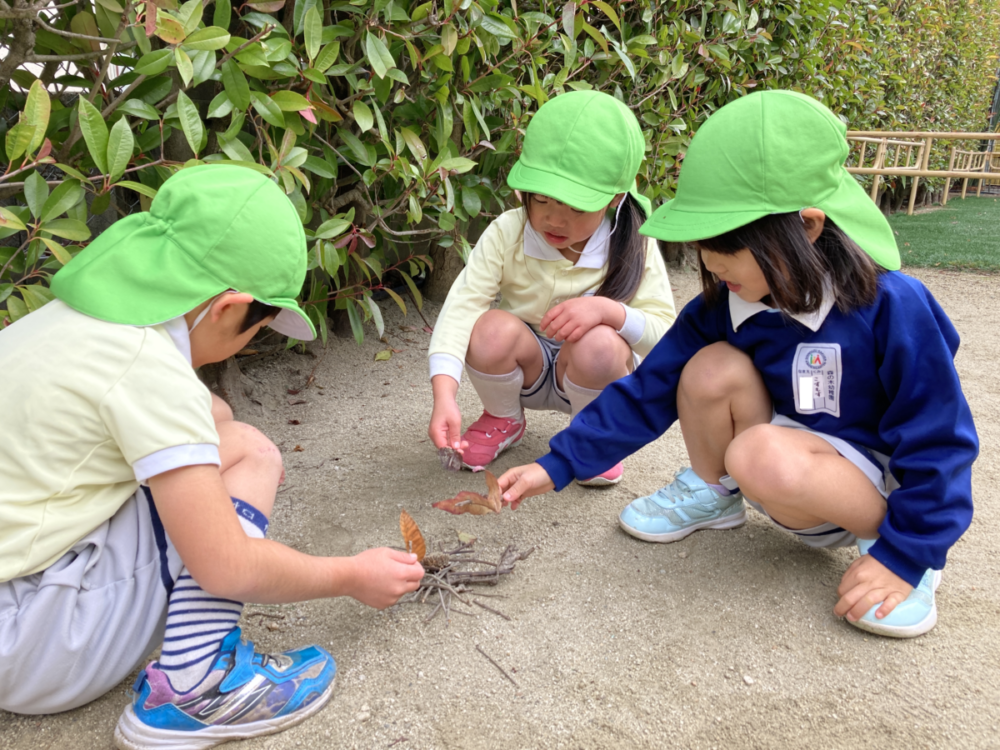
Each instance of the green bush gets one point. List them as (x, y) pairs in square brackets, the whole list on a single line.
[(391, 124)]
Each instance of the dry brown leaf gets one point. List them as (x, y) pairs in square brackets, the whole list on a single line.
[(413, 540), (495, 496), (465, 502)]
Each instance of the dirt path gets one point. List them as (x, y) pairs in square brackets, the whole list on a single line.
[(726, 639)]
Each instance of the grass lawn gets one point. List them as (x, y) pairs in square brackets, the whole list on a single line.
[(963, 234)]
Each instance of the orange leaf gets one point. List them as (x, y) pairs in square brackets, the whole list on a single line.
[(413, 540), (495, 497), (466, 502)]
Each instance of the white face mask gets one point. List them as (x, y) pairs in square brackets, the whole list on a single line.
[(203, 313)]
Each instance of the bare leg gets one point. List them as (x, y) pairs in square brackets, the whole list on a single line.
[(501, 342), (598, 359), (251, 464), (802, 481), (720, 396)]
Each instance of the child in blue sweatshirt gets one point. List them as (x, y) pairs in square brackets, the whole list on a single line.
[(811, 378)]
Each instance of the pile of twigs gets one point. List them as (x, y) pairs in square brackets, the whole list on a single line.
[(450, 575)]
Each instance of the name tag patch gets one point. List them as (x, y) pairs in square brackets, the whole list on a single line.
[(816, 376)]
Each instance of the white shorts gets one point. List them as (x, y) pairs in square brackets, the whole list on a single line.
[(545, 394), (874, 465), (72, 632)]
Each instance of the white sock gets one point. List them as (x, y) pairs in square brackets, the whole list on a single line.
[(578, 396), (197, 622), (500, 394)]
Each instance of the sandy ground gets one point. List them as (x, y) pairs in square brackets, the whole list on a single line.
[(726, 639)]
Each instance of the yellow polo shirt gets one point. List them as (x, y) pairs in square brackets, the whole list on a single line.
[(532, 277), (83, 403)]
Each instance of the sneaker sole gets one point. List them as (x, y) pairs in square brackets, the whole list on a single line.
[(598, 482), (132, 734), (729, 522), (903, 631), (474, 469)]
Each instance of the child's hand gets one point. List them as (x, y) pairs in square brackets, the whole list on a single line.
[(446, 418), (524, 481), (383, 575), (570, 320), (866, 583)]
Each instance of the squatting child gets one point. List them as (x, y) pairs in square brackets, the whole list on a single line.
[(810, 377), (133, 509), (583, 295)]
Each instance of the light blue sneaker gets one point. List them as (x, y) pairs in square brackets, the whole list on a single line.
[(682, 507), (246, 694), (915, 615)]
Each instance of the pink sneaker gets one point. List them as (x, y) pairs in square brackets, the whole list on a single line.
[(490, 436), (611, 476)]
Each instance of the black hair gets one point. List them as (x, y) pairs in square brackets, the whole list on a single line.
[(256, 312), (626, 251), (795, 268)]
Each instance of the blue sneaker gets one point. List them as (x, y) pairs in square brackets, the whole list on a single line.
[(246, 694), (915, 615), (682, 507)]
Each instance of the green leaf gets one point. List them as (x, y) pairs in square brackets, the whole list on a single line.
[(222, 14), (319, 167), (220, 106), (413, 290), (154, 63), (36, 192), (18, 139), (16, 308), (496, 27), (212, 38), (290, 101), (609, 12), (569, 19), (313, 32), (95, 133), (72, 172), (327, 57), (267, 109), (190, 14), (625, 59), (352, 314), (414, 143), (184, 66), (58, 251), (373, 308), (398, 300), (383, 355), (363, 116), (137, 187), (10, 220), (458, 164), (471, 202), (121, 143), (191, 123), (70, 229), (449, 38), (139, 108), (356, 146), (66, 195), (169, 29), (37, 109), (234, 149), (332, 228), (378, 55), (236, 85), (597, 36)]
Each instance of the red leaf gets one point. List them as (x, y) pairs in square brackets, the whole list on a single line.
[(308, 115), (150, 19), (45, 150)]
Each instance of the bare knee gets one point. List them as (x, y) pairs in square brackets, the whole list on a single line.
[(764, 464), (220, 410), (243, 443), (716, 372), (600, 357), (494, 337)]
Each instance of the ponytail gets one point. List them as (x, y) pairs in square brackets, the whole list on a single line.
[(626, 253)]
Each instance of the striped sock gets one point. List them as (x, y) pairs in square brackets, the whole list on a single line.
[(197, 622)]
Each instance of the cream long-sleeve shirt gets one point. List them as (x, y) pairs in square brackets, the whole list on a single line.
[(532, 277)]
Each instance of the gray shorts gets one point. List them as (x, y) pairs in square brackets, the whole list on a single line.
[(72, 632), (874, 465), (545, 394)]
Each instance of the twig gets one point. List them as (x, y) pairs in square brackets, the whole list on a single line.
[(490, 609), (502, 670), (397, 741), (432, 614), (426, 322), (71, 34)]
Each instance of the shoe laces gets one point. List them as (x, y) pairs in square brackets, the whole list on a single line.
[(489, 432), (674, 493)]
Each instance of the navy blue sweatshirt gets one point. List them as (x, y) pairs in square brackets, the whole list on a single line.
[(882, 377)]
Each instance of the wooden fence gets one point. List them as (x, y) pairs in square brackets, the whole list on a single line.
[(907, 154)]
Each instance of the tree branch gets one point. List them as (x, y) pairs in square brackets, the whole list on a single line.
[(71, 34)]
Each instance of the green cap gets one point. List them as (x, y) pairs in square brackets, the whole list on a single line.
[(582, 148), (210, 228), (768, 153)]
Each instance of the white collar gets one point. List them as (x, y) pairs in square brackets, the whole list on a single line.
[(594, 255), (740, 311), (177, 328)]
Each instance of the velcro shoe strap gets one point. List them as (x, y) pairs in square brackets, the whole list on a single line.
[(242, 671)]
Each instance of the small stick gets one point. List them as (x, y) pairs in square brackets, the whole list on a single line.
[(460, 612), (432, 614), (267, 615), (493, 596), (502, 670), (490, 609), (397, 741), (447, 615)]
